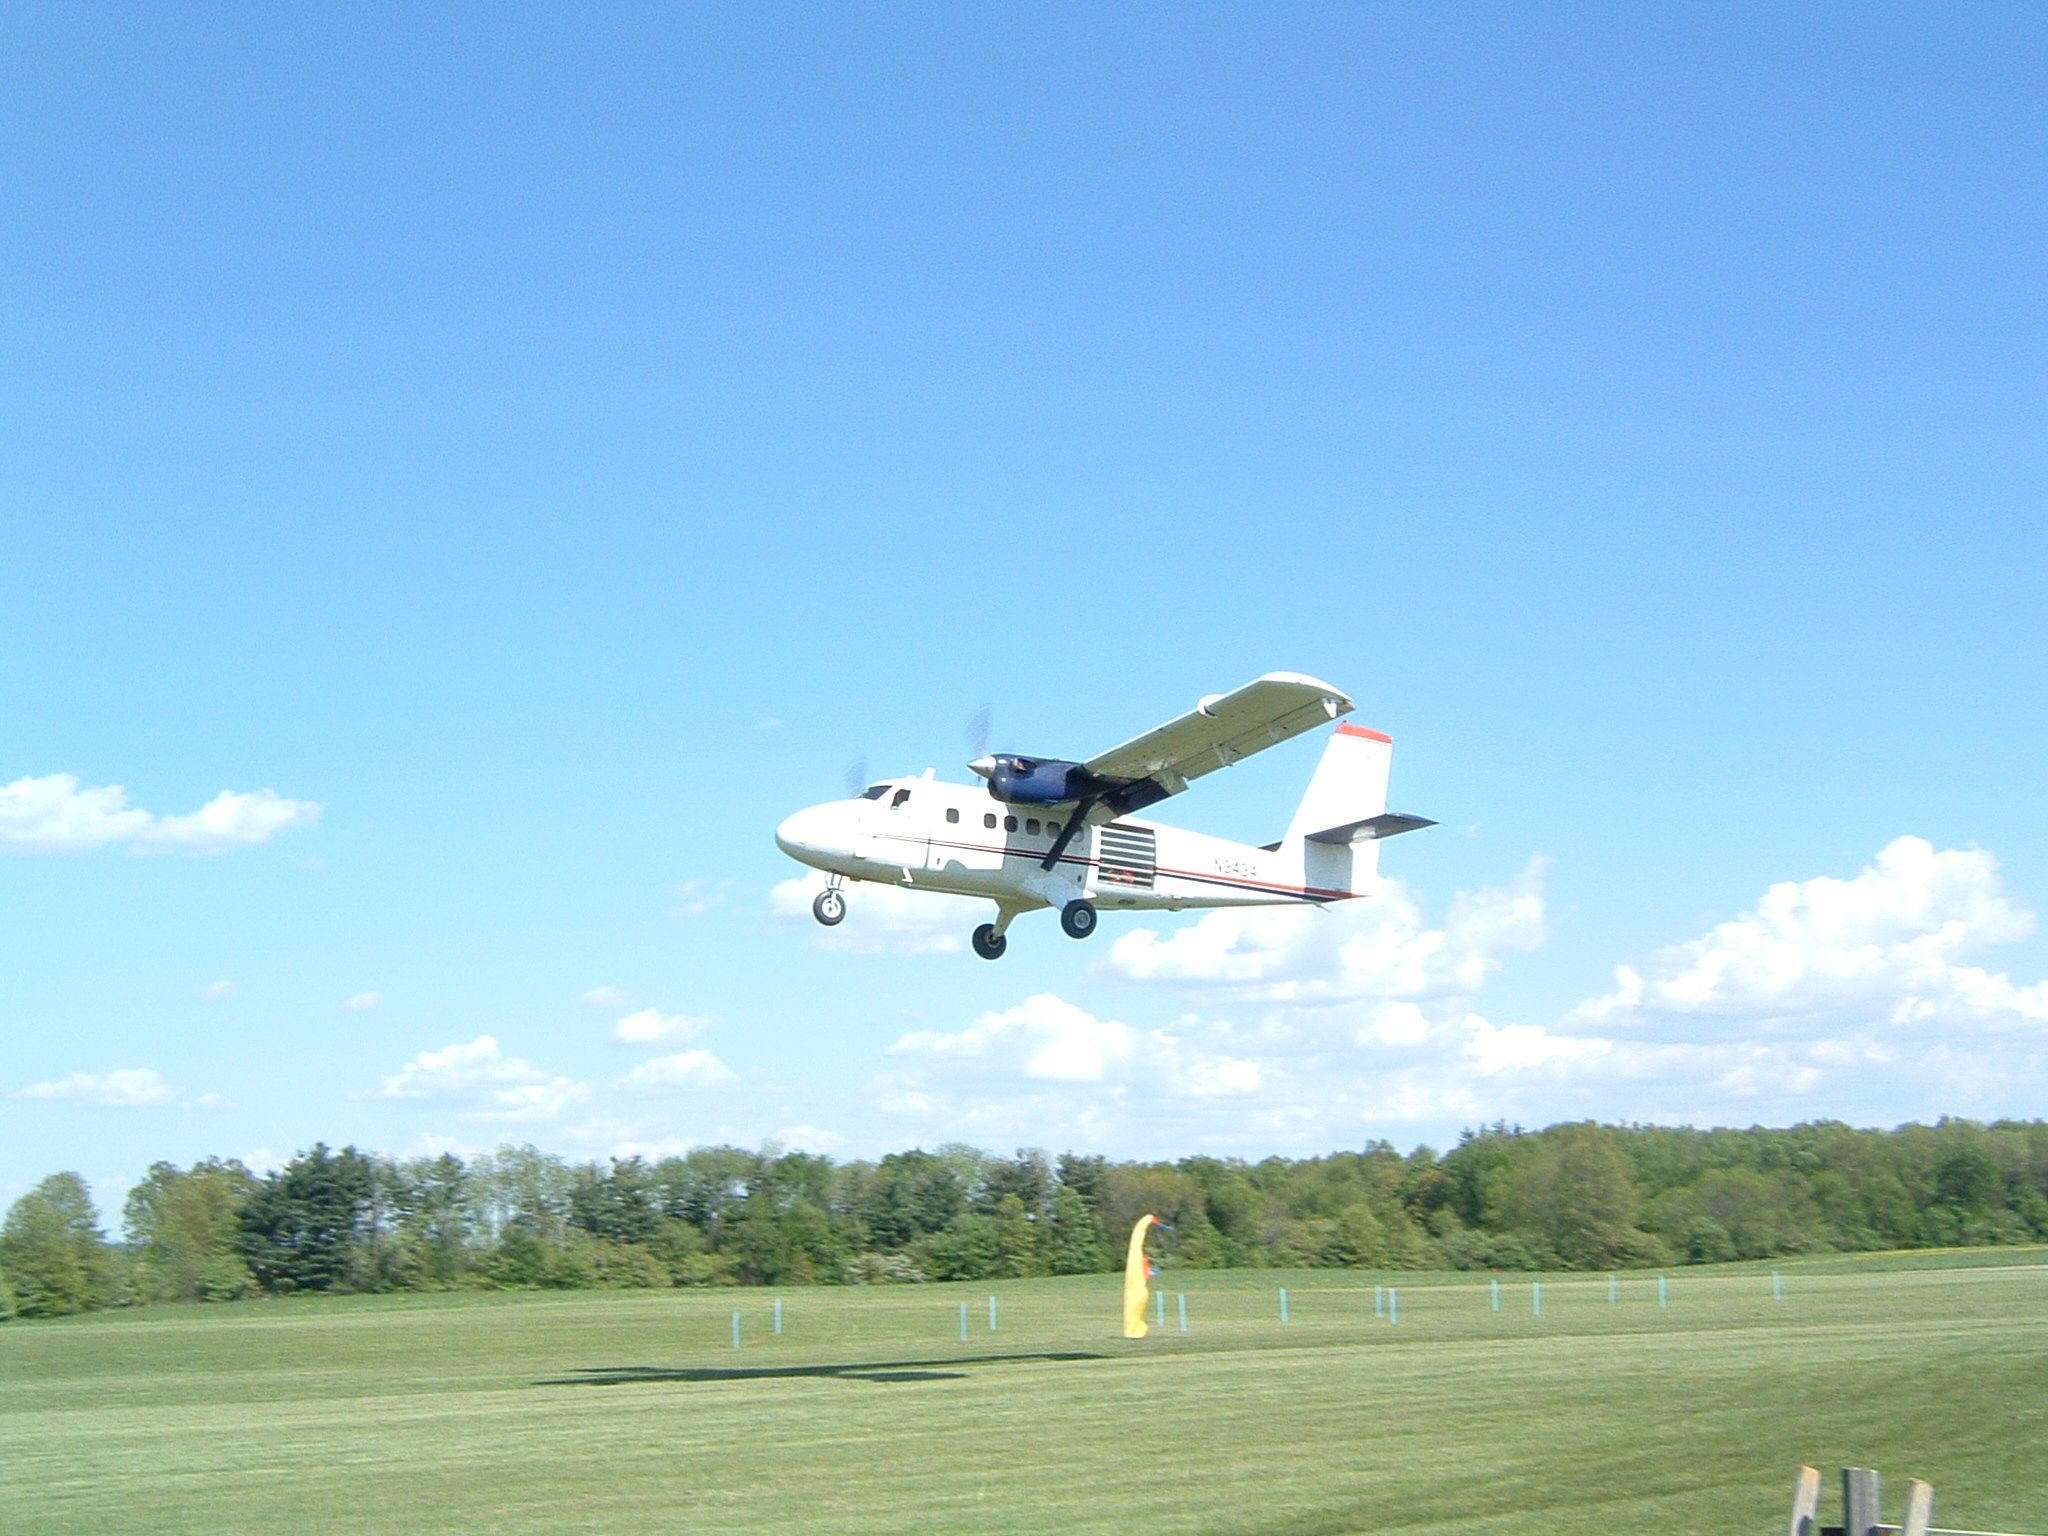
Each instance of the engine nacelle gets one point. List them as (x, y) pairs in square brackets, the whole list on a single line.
[(1035, 780)]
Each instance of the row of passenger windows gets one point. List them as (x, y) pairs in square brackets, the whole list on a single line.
[(1032, 825)]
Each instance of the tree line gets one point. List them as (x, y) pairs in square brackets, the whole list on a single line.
[(1573, 1196)]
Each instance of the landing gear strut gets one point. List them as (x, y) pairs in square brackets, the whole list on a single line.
[(830, 907), (1078, 919)]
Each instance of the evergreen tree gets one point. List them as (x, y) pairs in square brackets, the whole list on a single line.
[(302, 1227)]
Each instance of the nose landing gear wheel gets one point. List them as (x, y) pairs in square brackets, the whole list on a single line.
[(988, 943), (829, 908), (1078, 919)]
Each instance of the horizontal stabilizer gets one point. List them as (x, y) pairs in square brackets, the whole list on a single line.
[(1386, 824)]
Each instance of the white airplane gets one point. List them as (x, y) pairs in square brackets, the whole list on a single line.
[(1061, 834)]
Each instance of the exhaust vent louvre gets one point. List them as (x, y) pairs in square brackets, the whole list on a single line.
[(1128, 855)]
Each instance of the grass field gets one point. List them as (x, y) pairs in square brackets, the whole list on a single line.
[(631, 1412)]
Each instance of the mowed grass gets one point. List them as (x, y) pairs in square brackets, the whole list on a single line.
[(631, 1412)]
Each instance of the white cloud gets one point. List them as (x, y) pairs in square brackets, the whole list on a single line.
[(684, 1069), (649, 1026), (1526, 1047), (362, 1002), (497, 1086), (1048, 1036), (231, 820), (126, 1088), (884, 919), (1374, 947), (607, 997), (54, 813), (215, 989), (1885, 944)]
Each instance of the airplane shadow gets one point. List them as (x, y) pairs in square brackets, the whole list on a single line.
[(866, 1370)]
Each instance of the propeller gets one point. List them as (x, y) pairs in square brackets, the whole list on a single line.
[(978, 727), (856, 777)]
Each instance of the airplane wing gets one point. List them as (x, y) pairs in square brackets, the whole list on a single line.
[(1219, 731)]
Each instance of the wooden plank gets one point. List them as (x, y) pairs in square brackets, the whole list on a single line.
[(1805, 1502), (1919, 1509), (1859, 1501)]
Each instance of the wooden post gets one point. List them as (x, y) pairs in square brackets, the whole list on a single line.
[(1860, 1515), (1805, 1502), (1919, 1509)]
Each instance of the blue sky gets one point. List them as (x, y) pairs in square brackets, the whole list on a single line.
[(517, 457)]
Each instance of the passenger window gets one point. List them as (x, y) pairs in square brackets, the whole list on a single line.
[(952, 813), (1009, 823), (1052, 829), (989, 820), (1031, 825), (901, 796)]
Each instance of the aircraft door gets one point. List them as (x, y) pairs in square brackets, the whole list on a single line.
[(967, 846), (899, 838)]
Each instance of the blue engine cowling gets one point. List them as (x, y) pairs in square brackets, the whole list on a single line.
[(1039, 781)]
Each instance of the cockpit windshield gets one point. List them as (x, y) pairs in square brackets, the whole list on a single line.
[(874, 792)]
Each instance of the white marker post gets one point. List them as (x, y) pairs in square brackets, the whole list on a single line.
[(1283, 1304), (1535, 1298), (778, 1314), (1496, 1295)]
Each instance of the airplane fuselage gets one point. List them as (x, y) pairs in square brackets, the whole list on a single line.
[(934, 836)]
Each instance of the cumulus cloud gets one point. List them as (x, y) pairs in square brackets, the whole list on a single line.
[(1375, 947), (1887, 943), (1048, 1037), (649, 1026), (215, 989), (125, 1088), (362, 1002), (683, 1069), (55, 813), (607, 997), (495, 1086), (1526, 1047), (883, 919)]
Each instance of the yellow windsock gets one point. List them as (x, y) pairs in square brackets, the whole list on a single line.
[(1137, 1274)]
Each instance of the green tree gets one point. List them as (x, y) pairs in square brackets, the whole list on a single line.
[(1073, 1240), (1017, 1240), (1576, 1194), (52, 1253), (436, 1222), (185, 1228), (302, 1227)]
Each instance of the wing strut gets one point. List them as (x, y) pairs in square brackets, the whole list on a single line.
[(1074, 824)]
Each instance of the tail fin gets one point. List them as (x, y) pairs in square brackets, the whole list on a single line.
[(1343, 817)]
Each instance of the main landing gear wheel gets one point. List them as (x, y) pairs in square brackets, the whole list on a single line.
[(1078, 919), (829, 908), (988, 943)]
